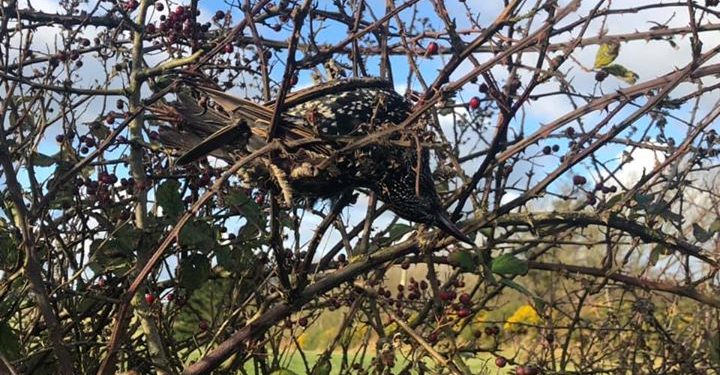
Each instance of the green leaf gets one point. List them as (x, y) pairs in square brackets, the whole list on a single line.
[(9, 342), (508, 264), (462, 259), (715, 226), (660, 207), (655, 253), (623, 73), (239, 201), (197, 234), (712, 344), (169, 198), (644, 199), (701, 234), (615, 199), (486, 231), (398, 230), (125, 239), (323, 366), (194, 271), (607, 53), (235, 259), (42, 160), (206, 303)]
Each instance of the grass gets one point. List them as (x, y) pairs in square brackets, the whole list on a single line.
[(294, 363)]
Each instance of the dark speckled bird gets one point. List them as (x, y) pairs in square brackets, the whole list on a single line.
[(337, 114)]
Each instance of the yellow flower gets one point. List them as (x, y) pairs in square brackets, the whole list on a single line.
[(525, 314)]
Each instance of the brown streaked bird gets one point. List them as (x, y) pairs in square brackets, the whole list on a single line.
[(336, 114)]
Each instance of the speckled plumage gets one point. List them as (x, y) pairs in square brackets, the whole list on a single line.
[(338, 113)]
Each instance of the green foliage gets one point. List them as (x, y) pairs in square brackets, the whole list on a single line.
[(622, 73), (607, 53), (9, 342), (701, 234), (197, 234), (508, 264), (398, 230), (237, 200), (169, 198), (194, 271), (463, 259), (204, 304)]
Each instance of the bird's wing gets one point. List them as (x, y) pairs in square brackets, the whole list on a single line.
[(329, 110)]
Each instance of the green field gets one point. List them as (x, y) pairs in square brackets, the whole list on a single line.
[(295, 364)]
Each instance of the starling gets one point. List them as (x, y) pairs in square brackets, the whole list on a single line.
[(207, 121)]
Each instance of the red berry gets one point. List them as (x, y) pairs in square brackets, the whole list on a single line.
[(180, 10), (579, 180), (159, 6), (203, 325), (59, 138), (170, 297), (303, 322), (131, 5), (228, 48), (260, 199), (465, 299), (474, 102), (547, 150), (149, 298), (464, 312), (500, 362), (432, 48), (445, 295), (150, 28)]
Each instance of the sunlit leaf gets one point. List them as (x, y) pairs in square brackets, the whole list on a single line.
[(623, 73), (398, 230), (508, 264), (607, 53), (462, 259)]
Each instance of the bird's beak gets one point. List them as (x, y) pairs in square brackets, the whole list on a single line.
[(443, 222)]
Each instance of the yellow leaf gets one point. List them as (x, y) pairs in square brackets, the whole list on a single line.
[(622, 72), (607, 53)]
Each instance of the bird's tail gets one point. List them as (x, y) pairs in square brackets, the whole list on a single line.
[(446, 225), (202, 128)]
